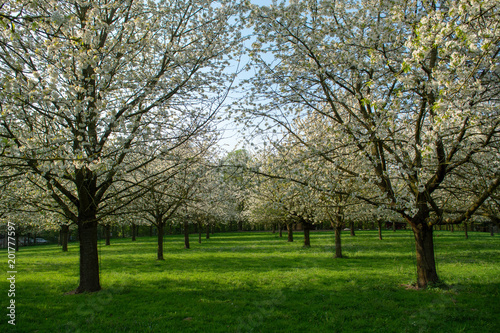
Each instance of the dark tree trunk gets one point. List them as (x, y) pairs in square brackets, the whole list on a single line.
[(466, 232), (274, 228), (186, 234), (290, 232), (379, 223), (351, 226), (107, 233), (134, 231), (161, 227), (199, 232), (64, 237), (280, 229), (338, 242), (208, 231), (394, 226), (452, 227), (89, 259), (426, 265), (240, 225), (492, 232), (307, 240)]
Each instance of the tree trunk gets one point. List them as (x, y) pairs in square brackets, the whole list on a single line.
[(208, 231), (280, 229), (338, 242), (466, 232), (379, 222), (186, 234), (351, 226), (199, 232), (134, 231), (89, 259), (290, 232), (64, 237), (274, 228), (240, 225), (123, 231), (160, 225), (107, 233), (307, 240), (426, 264)]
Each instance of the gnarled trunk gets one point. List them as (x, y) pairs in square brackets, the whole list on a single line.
[(426, 264)]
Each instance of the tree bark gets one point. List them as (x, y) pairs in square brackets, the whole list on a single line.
[(280, 229), (64, 237), (307, 240), (338, 242), (426, 265), (89, 259), (379, 223), (394, 226), (207, 231), (134, 231), (466, 232), (290, 232), (199, 232), (274, 228), (107, 232), (161, 227), (351, 226), (186, 234)]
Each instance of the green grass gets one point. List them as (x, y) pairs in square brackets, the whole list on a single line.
[(257, 282)]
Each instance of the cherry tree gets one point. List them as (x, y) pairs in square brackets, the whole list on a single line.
[(86, 83), (411, 85)]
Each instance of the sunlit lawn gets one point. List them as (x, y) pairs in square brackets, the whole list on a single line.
[(257, 282)]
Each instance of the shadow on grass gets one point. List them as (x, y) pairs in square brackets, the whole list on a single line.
[(197, 305)]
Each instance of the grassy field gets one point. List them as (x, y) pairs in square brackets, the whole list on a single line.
[(257, 282)]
